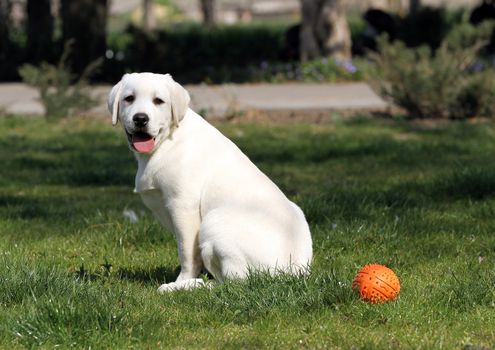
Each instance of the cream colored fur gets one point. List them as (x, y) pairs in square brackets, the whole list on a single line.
[(226, 215)]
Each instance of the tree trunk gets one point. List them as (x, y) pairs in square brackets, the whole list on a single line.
[(6, 60), (310, 47), (414, 6), (324, 30), (149, 21), (84, 23), (208, 11), (5, 7), (39, 30)]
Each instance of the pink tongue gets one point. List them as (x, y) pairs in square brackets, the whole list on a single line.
[(143, 143)]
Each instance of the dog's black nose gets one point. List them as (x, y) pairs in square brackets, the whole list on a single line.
[(140, 119)]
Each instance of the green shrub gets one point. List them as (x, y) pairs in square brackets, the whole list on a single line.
[(319, 70), (451, 82), (227, 53), (60, 93), (193, 54)]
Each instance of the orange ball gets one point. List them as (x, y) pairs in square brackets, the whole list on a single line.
[(376, 284)]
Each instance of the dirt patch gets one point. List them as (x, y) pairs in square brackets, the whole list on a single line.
[(297, 116)]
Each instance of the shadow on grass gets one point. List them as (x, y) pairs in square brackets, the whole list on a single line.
[(155, 275), (98, 157), (383, 148), (363, 202), (44, 207), (80, 159), (475, 183)]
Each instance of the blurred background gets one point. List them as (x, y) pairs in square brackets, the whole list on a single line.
[(213, 40), (401, 47), (375, 117)]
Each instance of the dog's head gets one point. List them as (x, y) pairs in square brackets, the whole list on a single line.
[(150, 106)]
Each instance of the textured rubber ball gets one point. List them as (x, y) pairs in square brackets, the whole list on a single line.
[(376, 284)]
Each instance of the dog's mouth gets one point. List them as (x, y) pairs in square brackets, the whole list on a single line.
[(141, 141)]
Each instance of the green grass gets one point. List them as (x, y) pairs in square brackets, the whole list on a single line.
[(74, 272)]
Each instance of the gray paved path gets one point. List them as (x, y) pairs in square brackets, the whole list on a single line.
[(220, 100)]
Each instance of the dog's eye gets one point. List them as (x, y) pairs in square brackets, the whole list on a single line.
[(158, 101), (129, 99)]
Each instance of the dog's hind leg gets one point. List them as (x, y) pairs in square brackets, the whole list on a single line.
[(233, 241)]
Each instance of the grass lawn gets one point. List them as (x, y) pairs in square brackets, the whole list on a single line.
[(75, 272)]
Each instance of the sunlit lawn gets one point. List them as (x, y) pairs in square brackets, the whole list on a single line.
[(76, 272)]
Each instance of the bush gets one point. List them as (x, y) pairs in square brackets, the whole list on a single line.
[(60, 93), (193, 54), (239, 53), (319, 70), (450, 82)]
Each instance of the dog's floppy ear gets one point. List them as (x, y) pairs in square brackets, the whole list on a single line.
[(179, 99), (114, 101)]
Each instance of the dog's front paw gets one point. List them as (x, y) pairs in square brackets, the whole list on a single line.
[(168, 287), (182, 285)]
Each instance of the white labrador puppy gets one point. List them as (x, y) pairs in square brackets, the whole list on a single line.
[(226, 215)]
